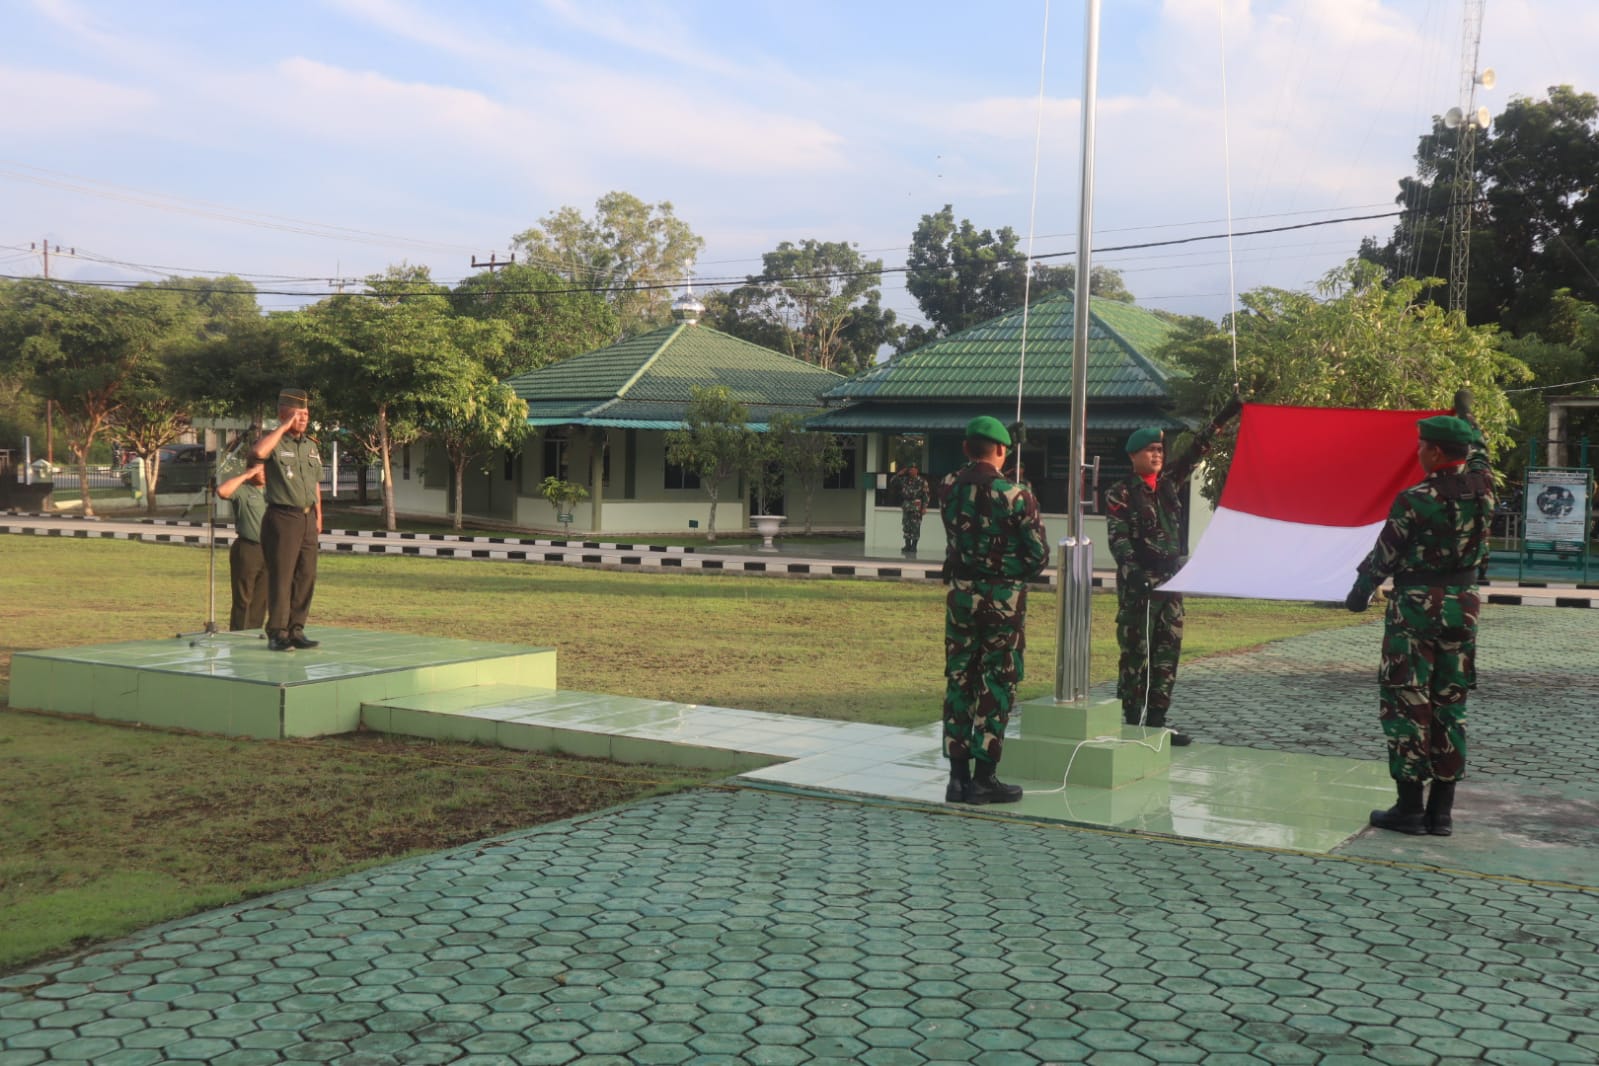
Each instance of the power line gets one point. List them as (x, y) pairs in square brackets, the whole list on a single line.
[(437, 289)]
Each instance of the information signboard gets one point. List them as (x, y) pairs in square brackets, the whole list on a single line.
[(1557, 509)]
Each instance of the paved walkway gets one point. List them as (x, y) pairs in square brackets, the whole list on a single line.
[(748, 926)]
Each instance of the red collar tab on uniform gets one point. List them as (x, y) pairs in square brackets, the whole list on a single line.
[(1449, 464), (1149, 479)]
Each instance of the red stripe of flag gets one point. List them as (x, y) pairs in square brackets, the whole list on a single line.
[(1322, 466)]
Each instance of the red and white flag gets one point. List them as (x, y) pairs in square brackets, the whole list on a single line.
[(1307, 493)]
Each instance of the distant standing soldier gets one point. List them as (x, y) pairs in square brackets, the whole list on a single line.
[(1434, 540), (293, 521), (914, 496), (246, 564), (1144, 520), (995, 545)]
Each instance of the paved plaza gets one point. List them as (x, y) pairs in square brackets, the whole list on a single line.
[(756, 925)]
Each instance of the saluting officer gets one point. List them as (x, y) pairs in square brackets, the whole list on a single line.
[(292, 522)]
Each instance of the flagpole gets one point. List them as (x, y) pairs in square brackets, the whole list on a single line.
[(1076, 569)]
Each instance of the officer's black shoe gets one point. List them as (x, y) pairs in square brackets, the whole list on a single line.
[(986, 788), (1407, 816), (1440, 805), (276, 642), (1179, 739), (300, 640), (960, 780)]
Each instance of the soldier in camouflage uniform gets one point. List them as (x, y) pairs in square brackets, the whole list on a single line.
[(1435, 539), (995, 545), (914, 496), (1144, 519)]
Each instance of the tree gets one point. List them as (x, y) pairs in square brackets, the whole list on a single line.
[(472, 416), (546, 324), (84, 349), (1535, 228), (1367, 343), (715, 444), (805, 456), (379, 356), (1564, 353), (817, 301), (961, 276), (630, 253)]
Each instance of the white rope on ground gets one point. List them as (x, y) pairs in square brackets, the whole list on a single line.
[(1032, 215)]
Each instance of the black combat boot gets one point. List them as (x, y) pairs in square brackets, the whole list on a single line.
[(1406, 816), (1440, 804), (986, 788), (1179, 739), (960, 780)]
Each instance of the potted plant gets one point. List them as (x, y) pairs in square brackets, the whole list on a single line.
[(763, 468), (562, 495)]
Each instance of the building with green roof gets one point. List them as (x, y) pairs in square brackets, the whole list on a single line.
[(600, 420), (920, 402)]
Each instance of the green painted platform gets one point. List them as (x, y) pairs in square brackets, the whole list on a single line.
[(231, 684)]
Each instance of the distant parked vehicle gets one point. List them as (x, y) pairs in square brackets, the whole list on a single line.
[(184, 468), (45, 470)]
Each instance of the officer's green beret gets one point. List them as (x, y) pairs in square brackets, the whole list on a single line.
[(1447, 429), (989, 429), (1143, 438), (295, 398)]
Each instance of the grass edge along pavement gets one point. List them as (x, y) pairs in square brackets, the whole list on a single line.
[(57, 592)]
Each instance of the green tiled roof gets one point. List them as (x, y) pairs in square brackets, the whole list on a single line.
[(983, 363), (648, 380), (951, 418)]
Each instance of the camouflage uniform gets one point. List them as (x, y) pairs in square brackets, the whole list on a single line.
[(1145, 530), (995, 545), (914, 496), (1435, 539)]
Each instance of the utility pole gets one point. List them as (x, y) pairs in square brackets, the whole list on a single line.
[(45, 247), (491, 266)]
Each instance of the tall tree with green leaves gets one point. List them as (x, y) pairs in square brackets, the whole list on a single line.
[(379, 356), (806, 458), (715, 444), (1535, 227), (84, 349), (819, 301), (1366, 342), (629, 252), (473, 416), (961, 276), (547, 321)]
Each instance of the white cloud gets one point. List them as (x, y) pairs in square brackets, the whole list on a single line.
[(59, 102)]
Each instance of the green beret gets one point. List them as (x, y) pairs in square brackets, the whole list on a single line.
[(1447, 429), (295, 398), (1143, 438), (988, 428)]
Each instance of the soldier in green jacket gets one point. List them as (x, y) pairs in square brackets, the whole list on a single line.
[(914, 496), (995, 544), (1435, 539), (293, 521), (246, 562), (1144, 521)]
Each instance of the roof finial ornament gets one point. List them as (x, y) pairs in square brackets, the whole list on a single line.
[(686, 308)]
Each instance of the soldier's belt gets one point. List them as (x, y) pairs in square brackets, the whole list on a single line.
[(291, 507), (1409, 579)]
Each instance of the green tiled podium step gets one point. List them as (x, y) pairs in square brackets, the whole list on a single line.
[(230, 683), (1051, 738)]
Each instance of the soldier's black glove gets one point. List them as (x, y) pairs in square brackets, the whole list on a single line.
[(1229, 412), (1463, 410), (1357, 601), (1139, 583), (1018, 434)]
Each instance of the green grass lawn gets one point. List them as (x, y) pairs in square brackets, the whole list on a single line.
[(106, 828)]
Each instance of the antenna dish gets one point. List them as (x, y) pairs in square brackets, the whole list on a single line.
[(1483, 118), (1453, 118), (1487, 78)]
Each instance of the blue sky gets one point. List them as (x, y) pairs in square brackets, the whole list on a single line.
[(301, 141)]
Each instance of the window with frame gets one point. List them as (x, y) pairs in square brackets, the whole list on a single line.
[(678, 477), (844, 476)]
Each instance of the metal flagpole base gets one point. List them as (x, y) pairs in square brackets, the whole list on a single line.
[(1076, 574)]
